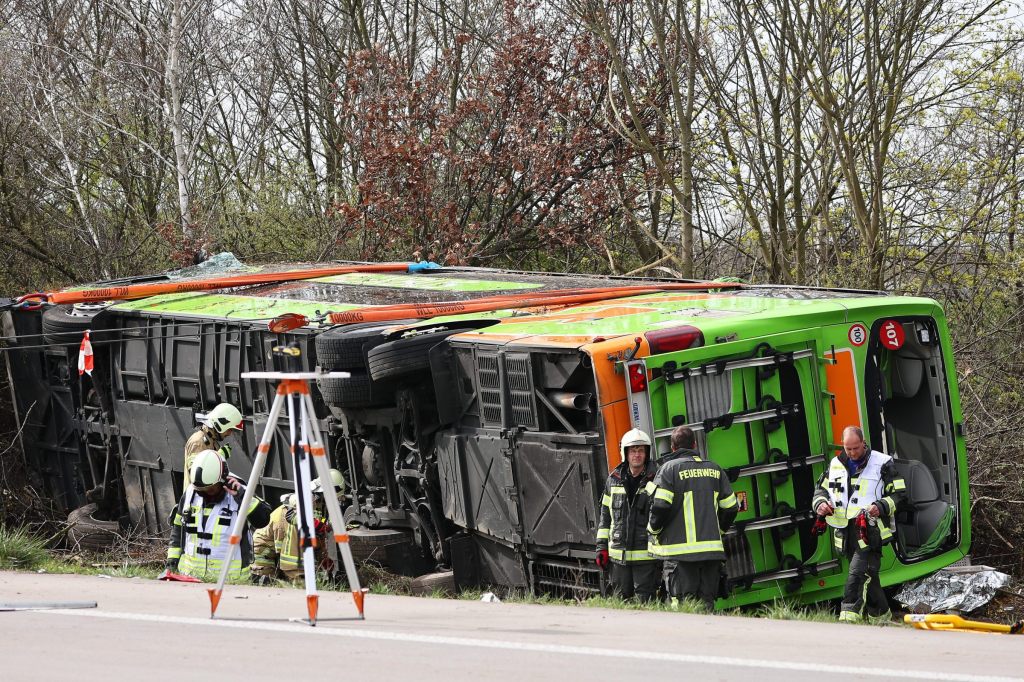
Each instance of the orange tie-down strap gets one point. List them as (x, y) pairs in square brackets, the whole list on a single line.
[(133, 291), (565, 297)]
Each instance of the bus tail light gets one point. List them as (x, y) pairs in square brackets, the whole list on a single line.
[(674, 338), (637, 378)]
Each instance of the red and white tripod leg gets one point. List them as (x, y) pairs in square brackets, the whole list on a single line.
[(243, 512), (323, 468), (304, 495)]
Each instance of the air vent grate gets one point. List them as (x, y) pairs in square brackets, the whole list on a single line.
[(490, 388), (520, 390)]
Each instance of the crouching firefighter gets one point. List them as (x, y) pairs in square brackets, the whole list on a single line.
[(202, 521), (857, 496), (276, 545), (622, 535), (693, 504)]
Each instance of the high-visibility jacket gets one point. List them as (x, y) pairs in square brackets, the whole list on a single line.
[(200, 531), (203, 439), (693, 505), (623, 528), (876, 482), (276, 545)]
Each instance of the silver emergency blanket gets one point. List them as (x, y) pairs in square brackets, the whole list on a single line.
[(962, 588)]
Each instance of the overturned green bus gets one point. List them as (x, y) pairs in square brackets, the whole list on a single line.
[(480, 419)]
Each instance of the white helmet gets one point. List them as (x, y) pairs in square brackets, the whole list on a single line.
[(336, 478), (634, 437), (223, 418), (208, 469)]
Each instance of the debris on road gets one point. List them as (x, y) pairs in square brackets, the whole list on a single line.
[(41, 605)]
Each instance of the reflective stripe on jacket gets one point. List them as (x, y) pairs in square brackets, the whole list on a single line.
[(876, 483), (200, 534), (277, 548), (623, 527), (693, 505), (276, 545)]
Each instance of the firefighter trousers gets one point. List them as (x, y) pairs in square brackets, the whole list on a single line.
[(696, 579), (863, 595), (636, 579)]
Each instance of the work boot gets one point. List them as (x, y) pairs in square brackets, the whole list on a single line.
[(849, 617), (881, 619)]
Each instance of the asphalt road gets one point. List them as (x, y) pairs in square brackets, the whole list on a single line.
[(161, 631)]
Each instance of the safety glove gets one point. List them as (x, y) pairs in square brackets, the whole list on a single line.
[(819, 526), (289, 514), (862, 530), (321, 527), (171, 565), (602, 559)]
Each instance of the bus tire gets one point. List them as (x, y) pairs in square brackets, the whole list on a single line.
[(404, 356), (343, 348), (357, 390), (65, 324), (85, 531)]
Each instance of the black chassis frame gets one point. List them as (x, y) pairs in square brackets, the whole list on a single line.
[(500, 501)]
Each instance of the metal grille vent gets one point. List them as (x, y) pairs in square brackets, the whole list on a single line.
[(490, 388), (708, 396), (520, 390)]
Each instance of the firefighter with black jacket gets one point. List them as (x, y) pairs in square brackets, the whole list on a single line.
[(858, 495), (622, 535), (693, 504)]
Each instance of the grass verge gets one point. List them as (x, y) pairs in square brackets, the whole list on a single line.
[(20, 550)]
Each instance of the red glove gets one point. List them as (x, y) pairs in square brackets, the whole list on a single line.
[(602, 559), (321, 527)]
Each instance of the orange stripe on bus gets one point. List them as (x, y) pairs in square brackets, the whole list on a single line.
[(841, 380)]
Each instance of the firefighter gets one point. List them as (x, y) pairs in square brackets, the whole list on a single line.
[(202, 521), (278, 554), (622, 535), (220, 422), (693, 504), (858, 495)]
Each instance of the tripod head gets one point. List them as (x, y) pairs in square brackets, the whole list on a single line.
[(287, 358)]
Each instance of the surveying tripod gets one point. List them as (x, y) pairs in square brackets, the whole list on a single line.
[(293, 388)]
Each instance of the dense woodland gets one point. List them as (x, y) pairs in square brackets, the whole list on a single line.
[(870, 143)]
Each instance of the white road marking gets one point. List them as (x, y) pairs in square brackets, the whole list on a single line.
[(534, 647)]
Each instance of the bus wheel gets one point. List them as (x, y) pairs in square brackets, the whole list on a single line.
[(345, 347), (404, 356), (357, 390)]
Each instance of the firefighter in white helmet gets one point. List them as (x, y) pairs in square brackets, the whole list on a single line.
[(622, 534), (220, 422), (278, 554), (202, 521)]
